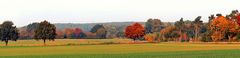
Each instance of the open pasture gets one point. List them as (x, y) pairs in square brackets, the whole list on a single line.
[(80, 48)]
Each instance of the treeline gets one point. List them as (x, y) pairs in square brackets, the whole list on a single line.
[(43, 31), (218, 28)]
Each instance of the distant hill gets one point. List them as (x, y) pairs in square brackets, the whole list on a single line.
[(88, 26)]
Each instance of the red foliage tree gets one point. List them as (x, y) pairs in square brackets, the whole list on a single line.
[(77, 32), (134, 31), (238, 19)]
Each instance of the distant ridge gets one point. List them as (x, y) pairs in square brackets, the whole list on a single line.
[(88, 26)]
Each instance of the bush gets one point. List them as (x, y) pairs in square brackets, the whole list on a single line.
[(206, 37), (150, 37)]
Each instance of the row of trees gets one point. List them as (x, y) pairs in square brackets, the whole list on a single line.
[(218, 28), (44, 31), (153, 31)]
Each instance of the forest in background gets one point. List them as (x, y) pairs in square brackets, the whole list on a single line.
[(219, 28)]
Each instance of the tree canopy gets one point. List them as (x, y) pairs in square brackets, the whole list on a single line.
[(45, 31), (135, 31), (8, 32)]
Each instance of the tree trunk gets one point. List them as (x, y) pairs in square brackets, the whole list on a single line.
[(44, 41), (196, 35), (6, 42)]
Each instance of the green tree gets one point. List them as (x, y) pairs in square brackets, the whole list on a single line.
[(100, 31), (45, 31), (153, 25), (8, 32)]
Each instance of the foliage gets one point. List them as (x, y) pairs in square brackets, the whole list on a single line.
[(179, 24), (30, 29), (198, 24), (79, 33), (150, 37), (45, 31), (111, 31), (8, 32), (60, 34), (68, 32), (100, 31), (238, 19), (135, 31), (168, 33), (227, 25), (153, 25)]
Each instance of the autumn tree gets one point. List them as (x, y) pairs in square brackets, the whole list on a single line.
[(135, 31), (79, 33), (238, 19), (8, 32), (150, 37), (233, 27), (68, 32), (218, 24), (45, 31)]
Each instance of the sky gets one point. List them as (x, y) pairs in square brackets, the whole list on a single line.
[(23, 12)]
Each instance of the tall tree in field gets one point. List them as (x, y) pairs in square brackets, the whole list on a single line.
[(135, 31), (197, 23), (45, 31), (8, 32)]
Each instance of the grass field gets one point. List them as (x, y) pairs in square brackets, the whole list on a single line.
[(91, 49)]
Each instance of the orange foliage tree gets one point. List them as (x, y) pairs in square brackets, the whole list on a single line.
[(222, 26), (135, 31), (68, 32), (218, 24), (150, 37)]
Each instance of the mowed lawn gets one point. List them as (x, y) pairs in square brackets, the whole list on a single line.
[(93, 49)]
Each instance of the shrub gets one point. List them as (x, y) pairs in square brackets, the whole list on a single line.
[(150, 37)]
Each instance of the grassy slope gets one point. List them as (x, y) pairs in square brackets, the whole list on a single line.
[(161, 50)]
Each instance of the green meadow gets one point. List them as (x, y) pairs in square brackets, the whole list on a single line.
[(94, 49)]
